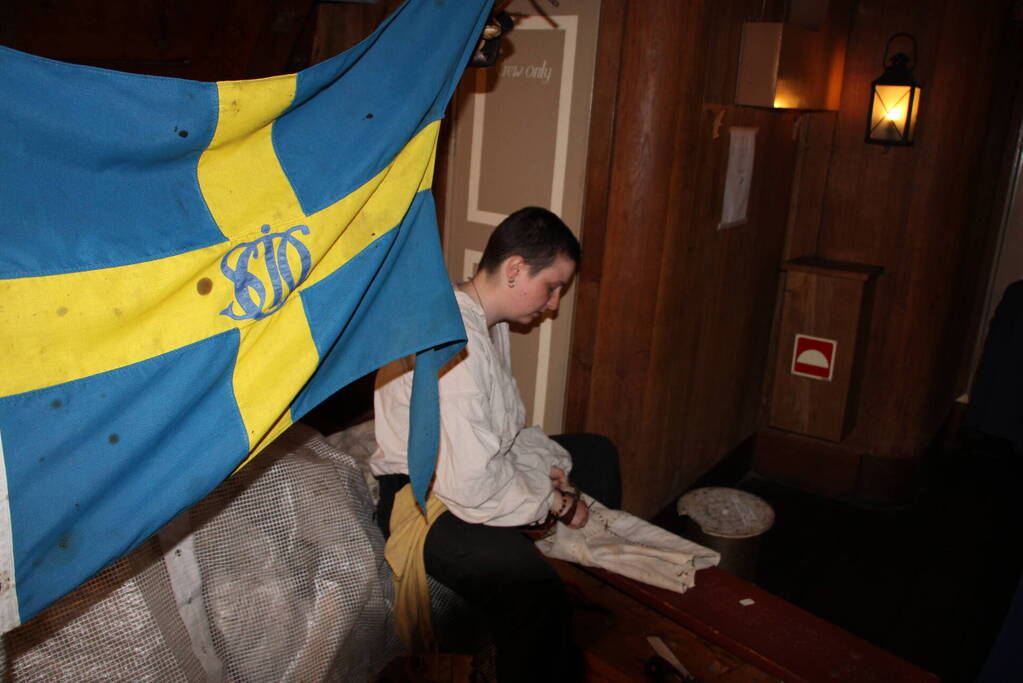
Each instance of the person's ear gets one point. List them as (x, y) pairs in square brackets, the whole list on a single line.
[(513, 267)]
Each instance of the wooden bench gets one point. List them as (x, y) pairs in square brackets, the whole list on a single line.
[(771, 638)]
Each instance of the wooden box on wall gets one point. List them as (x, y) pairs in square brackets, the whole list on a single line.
[(785, 66), (825, 320)]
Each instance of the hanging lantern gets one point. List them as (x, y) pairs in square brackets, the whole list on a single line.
[(895, 99)]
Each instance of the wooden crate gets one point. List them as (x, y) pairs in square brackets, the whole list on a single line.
[(826, 305)]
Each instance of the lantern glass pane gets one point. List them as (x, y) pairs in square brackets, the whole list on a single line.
[(892, 106), (912, 117)]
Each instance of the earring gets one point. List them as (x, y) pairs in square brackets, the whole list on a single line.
[(511, 282)]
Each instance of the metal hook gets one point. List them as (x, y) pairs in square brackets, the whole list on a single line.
[(888, 45)]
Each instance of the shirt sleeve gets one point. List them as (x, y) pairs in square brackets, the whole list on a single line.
[(534, 448), (391, 408), (489, 469), (482, 477), (478, 477)]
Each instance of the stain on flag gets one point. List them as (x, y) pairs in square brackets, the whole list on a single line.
[(186, 268)]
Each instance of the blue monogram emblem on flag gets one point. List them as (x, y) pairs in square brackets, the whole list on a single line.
[(249, 290)]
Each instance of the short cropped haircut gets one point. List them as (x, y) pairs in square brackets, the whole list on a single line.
[(535, 234)]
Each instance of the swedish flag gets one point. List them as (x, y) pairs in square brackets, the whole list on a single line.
[(186, 268)]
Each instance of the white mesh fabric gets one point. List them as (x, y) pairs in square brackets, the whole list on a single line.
[(293, 573), (104, 630), (293, 580)]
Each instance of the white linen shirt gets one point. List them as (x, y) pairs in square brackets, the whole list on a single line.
[(490, 470)]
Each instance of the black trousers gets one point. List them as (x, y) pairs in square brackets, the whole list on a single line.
[(500, 573)]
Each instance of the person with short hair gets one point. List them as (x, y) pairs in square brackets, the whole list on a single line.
[(494, 474)]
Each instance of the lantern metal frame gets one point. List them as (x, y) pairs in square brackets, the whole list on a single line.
[(898, 71)]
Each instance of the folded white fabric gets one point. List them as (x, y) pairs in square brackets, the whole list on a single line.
[(625, 544)]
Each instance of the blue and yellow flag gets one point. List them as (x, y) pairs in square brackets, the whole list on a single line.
[(186, 268)]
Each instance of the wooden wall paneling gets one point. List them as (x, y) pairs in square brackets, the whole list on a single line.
[(341, 25), (188, 39), (911, 341), (992, 193), (916, 385), (710, 351), (700, 313), (744, 279), (868, 184), (102, 34), (650, 212), (273, 32), (670, 362), (816, 134), (680, 434), (713, 344), (910, 211), (668, 442), (589, 278), (867, 206), (702, 250), (965, 30), (658, 68)]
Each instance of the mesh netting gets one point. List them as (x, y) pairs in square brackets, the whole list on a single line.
[(293, 587)]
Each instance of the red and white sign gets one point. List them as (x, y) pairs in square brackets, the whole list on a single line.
[(813, 357)]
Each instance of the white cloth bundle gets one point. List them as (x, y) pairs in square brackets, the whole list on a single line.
[(625, 544)]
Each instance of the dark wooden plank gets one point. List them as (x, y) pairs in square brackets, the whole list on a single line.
[(675, 311), (774, 635), (187, 39), (839, 269), (612, 629), (651, 137), (589, 279), (816, 132), (342, 25)]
